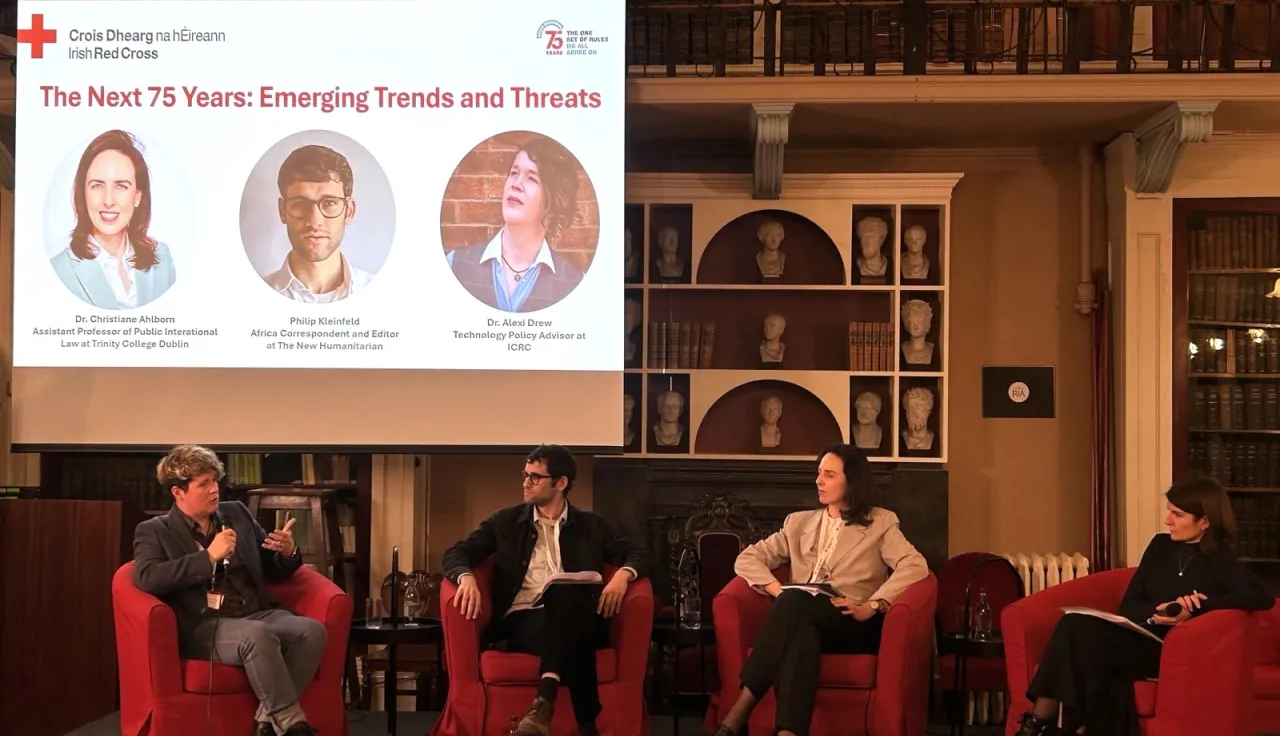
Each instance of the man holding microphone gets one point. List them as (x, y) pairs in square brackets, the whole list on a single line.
[(193, 558)]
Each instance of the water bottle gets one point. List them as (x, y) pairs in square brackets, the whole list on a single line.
[(982, 617)]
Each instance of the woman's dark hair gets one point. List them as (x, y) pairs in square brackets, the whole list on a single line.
[(1205, 498), (860, 494), (144, 247), (558, 172)]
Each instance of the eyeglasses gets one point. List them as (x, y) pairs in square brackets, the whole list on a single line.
[(534, 478), (330, 207)]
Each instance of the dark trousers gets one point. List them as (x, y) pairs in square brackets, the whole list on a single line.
[(788, 650), (1089, 666), (565, 633)]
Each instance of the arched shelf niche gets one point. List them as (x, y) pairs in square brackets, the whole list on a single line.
[(812, 256), (732, 425)]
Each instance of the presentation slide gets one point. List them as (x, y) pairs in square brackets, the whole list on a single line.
[(400, 184), (216, 198)]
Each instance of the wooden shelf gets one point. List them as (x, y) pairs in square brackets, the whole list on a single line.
[(821, 294)]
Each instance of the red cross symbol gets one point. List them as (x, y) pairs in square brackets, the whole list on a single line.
[(37, 35)]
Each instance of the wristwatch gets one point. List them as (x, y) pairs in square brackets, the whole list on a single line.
[(879, 605)]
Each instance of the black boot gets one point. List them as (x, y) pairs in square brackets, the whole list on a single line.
[(1030, 725)]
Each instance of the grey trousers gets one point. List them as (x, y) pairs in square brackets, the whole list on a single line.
[(279, 651)]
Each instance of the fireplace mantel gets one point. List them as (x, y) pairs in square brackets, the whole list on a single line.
[(653, 500)]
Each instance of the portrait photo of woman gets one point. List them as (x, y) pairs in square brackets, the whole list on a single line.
[(539, 218), (111, 261)]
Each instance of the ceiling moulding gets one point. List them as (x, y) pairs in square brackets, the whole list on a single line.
[(933, 155), (770, 123), (1160, 141), (856, 188), (1019, 89)]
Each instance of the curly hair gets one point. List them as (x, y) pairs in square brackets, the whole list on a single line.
[(185, 462), (558, 170)]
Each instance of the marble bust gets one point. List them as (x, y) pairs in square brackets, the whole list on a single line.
[(629, 255), (872, 232), (772, 348), (771, 260), (632, 316), (867, 434), (668, 431), (917, 319), (770, 413), (670, 263), (917, 403), (628, 411), (915, 264)]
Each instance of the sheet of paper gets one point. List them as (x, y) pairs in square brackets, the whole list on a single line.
[(1113, 618), (586, 577), (815, 589)]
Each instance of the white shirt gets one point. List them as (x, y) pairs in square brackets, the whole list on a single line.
[(126, 293), (285, 282), (828, 535), (545, 561)]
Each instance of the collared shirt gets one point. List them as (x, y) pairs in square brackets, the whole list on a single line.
[(285, 282), (125, 288), (511, 302), (230, 577), (545, 561), (828, 536)]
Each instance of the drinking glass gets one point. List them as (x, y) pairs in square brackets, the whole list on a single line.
[(691, 613), (373, 613)]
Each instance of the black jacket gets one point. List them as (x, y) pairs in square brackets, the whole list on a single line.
[(169, 564), (587, 542)]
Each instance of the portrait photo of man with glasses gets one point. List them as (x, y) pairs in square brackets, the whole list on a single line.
[(318, 207)]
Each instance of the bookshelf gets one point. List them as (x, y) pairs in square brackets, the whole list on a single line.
[(864, 344), (1226, 379)]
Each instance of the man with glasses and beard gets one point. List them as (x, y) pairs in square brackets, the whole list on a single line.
[(530, 542), (315, 207)]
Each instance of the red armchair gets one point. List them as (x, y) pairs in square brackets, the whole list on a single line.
[(886, 694), (162, 695), (1206, 682), (487, 688)]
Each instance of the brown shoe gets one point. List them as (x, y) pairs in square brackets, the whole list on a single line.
[(1029, 725), (537, 722), (264, 729)]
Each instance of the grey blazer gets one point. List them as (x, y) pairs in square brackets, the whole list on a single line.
[(169, 564), (84, 278)]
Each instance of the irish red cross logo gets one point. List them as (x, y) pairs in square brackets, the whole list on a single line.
[(37, 35)]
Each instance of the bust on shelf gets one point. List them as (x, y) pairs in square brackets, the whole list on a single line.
[(867, 434), (918, 404), (772, 348), (629, 255), (632, 317), (872, 265), (771, 260), (917, 319), (915, 264), (670, 263), (770, 432), (668, 431), (628, 411)]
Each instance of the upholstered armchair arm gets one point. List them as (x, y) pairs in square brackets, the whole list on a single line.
[(462, 635), (308, 593), (1206, 674), (632, 630), (900, 702), (146, 639), (738, 612), (1027, 624)]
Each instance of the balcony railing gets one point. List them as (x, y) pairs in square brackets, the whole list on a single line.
[(844, 37)]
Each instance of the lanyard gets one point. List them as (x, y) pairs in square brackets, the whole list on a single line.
[(832, 531)]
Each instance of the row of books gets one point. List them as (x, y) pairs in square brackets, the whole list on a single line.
[(1257, 525), (871, 346), (1235, 241), (1235, 351), (1237, 463), (681, 344), (1233, 298), (1254, 405)]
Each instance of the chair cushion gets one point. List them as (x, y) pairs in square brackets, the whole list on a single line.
[(226, 678), (1144, 698), (510, 668), (1266, 683), (856, 671)]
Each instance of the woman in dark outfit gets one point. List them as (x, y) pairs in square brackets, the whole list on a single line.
[(1090, 665)]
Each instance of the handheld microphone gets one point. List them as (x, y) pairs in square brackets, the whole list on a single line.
[(1173, 609)]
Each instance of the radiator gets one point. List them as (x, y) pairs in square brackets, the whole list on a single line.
[(1038, 571)]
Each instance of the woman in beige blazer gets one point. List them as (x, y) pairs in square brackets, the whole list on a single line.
[(850, 544)]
